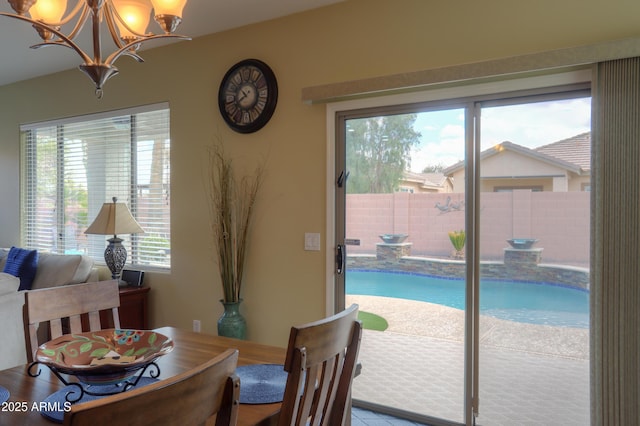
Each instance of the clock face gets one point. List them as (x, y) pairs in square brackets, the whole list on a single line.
[(248, 95)]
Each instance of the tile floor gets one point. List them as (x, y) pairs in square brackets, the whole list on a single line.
[(362, 417)]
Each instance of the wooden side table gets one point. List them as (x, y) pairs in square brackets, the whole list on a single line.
[(133, 309)]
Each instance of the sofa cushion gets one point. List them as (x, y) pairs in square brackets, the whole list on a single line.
[(8, 283), (3, 256), (22, 263), (60, 269)]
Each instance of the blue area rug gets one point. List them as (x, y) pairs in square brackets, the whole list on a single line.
[(54, 405), (4, 395), (261, 383)]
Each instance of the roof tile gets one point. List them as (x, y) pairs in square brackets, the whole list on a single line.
[(575, 150)]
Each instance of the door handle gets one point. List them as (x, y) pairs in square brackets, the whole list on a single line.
[(340, 259), (342, 179)]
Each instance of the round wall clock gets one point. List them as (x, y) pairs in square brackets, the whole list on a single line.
[(248, 95)]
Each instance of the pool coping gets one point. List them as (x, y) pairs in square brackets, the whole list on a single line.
[(513, 270)]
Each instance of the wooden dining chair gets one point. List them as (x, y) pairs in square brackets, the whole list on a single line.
[(67, 304), (321, 363), (189, 398)]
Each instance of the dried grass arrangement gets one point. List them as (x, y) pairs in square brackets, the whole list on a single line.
[(232, 204)]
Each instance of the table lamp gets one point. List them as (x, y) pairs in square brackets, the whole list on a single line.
[(114, 218)]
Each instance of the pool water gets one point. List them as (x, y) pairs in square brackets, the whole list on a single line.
[(534, 303)]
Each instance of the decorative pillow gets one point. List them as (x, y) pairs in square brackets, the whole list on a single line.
[(22, 263)]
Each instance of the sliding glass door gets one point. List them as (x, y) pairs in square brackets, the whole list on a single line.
[(400, 209), (534, 197), (462, 232)]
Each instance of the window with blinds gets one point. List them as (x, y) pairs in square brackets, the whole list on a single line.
[(71, 167)]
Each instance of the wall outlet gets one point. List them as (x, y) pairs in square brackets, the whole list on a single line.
[(196, 326)]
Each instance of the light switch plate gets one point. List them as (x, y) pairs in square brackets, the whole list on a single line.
[(312, 241)]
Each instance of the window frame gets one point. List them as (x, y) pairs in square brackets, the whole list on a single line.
[(136, 141)]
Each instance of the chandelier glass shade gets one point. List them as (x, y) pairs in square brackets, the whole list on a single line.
[(126, 20)]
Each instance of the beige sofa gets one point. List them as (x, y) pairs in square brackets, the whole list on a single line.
[(52, 270)]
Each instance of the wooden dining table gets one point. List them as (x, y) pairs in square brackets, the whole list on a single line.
[(190, 349)]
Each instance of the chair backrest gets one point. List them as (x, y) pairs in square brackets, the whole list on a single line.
[(69, 301), (321, 360), (189, 398)]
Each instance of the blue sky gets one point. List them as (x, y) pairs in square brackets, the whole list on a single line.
[(530, 125)]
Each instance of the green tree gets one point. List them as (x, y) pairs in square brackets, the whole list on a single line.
[(378, 151)]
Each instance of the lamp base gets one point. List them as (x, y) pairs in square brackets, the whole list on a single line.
[(115, 255)]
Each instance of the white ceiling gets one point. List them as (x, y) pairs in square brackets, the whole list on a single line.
[(200, 17)]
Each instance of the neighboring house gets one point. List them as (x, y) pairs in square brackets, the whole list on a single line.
[(561, 166), (425, 182)]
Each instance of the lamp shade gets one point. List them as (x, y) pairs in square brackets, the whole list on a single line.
[(113, 219), (48, 11), (168, 7), (135, 14)]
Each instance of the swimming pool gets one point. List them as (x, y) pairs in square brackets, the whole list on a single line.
[(533, 303)]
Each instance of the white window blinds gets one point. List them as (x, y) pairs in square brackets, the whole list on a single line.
[(71, 167)]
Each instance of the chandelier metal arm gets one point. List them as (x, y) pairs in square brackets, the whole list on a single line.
[(64, 40), (81, 5), (95, 28), (112, 27), (125, 50)]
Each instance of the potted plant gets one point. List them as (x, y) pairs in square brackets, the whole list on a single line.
[(458, 239), (232, 205)]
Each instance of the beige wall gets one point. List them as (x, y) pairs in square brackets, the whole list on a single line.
[(351, 40)]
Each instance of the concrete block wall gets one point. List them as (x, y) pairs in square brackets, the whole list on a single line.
[(560, 222)]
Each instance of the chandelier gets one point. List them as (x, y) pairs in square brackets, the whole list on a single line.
[(126, 21)]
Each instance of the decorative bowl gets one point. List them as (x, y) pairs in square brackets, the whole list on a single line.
[(393, 238), (522, 243), (104, 357)]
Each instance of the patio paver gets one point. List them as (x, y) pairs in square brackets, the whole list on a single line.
[(530, 375)]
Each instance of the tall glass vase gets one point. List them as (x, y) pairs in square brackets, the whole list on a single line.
[(232, 323)]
